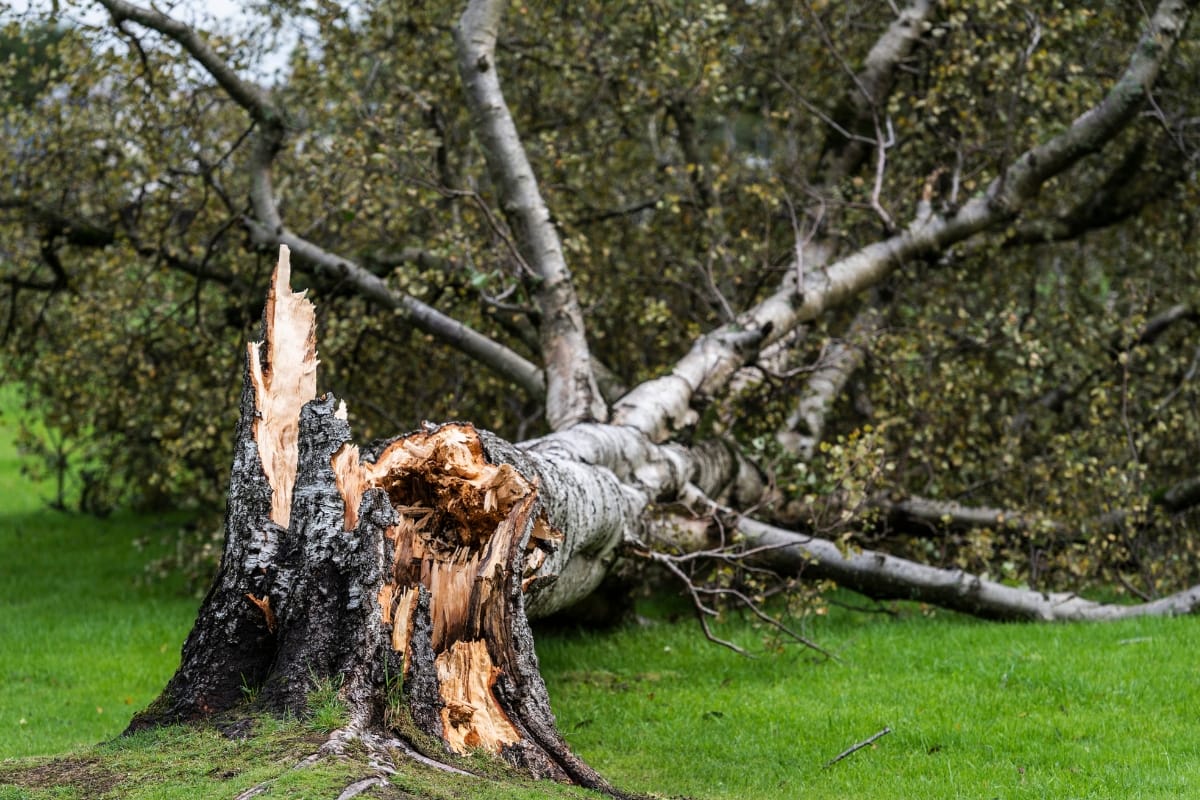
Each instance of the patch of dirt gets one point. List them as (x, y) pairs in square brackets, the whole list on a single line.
[(89, 775), (236, 729)]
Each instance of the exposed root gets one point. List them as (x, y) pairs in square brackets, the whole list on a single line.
[(358, 787), (408, 752), (379, 760)]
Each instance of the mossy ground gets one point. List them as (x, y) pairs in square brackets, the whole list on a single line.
[(198, 763)]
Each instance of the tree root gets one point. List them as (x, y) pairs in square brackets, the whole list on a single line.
[(379, 759)]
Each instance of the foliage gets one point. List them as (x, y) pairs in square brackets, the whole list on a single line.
[(683, 147)]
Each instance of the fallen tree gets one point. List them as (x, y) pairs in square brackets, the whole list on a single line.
[(406, 574), (405, 571)]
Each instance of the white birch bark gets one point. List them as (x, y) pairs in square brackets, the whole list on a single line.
[(572, 394), (805, 424), (888, 577)]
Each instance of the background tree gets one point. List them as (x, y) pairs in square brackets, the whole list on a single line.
[(781, 287)]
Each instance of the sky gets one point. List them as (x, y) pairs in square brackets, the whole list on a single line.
[(205, 13), (185, 9)]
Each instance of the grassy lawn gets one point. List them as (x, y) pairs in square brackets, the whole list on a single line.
[(83, 641), (976, 710)]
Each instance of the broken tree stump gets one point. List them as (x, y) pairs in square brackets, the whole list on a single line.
[(399, 574)]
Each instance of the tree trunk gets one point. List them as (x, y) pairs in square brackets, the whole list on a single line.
[(400, 575)]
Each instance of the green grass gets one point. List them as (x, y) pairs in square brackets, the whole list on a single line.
[(327, 712), (977, 710), (84, 642), (203, 764)]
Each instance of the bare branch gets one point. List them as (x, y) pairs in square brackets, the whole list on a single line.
[(247, 94), (854, 748), (685, 126), (572, 395), (737, 557), (882, 576), (881, 149), (659, 405), (805, 425)]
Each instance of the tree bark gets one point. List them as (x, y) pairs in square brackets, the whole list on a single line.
[(400, 575)]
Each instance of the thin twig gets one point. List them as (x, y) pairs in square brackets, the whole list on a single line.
[(882, 146), (856, 747), (703, 611)]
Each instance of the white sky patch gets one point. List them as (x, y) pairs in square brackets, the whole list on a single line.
[(207, 15)]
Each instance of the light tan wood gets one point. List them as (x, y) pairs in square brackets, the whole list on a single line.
[(352, 481), (284, 379), (471, 717), (264, 605)]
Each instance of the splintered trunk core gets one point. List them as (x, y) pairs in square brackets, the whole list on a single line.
[(399, 575), (466, 533)]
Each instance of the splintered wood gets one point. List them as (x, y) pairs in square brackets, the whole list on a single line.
[(471, 717), (264, 605), (460, 518), (284, 379)]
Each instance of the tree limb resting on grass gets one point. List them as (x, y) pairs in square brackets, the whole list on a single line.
[(886, 577)]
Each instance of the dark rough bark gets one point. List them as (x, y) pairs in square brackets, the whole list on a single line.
[(327, 579), (231, 643), (399, 577)]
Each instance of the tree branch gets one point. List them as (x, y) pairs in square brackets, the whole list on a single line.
[(572, 395), (842, 155), (487, 351), (268, 229), (872, 85), (944, 514), (883, 577), (949, 514), (245, 93), (1112, 202), (805, 425), (659, 405)]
